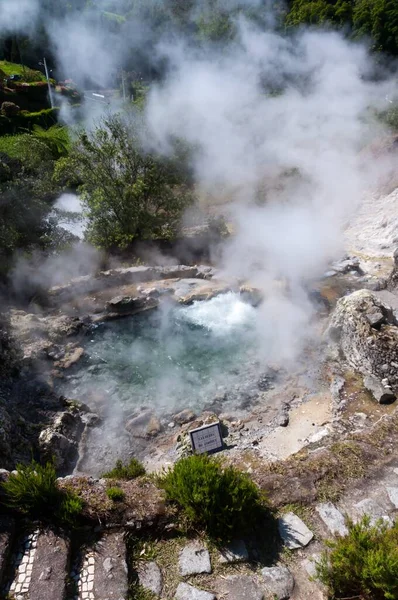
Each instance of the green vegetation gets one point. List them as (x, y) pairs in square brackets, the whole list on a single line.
[(132, 470), (222, 500), (28, 75), (128, 193), (376, 19), (116, 494), (362, 564), (34, 492)]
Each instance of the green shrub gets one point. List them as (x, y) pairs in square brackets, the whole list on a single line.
[(362, 564), (34, 491), (130, 471), (222, 500), (115, 493)]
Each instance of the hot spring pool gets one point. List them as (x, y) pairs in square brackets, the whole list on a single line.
[(169, 359)]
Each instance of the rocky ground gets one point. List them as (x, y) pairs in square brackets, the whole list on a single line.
[(318, 438)]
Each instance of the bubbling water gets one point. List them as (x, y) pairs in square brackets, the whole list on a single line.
[(172, 358)]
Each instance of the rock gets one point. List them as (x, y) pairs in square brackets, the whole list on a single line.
[(251, 295), (154, 427), (372, 509), (333, 518), (381, 393), (188, 592), (279, 582), (336, 388), (393, 495), (71, 357), (185, 416), (50, 567), (128, 305), (294, 532), (7, 530), (235, 552), (110, 568), (150, 577), (59, 442), (367, 348), (309, 564), (194, 559), (242, 587)]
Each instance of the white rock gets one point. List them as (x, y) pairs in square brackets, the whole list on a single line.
[(333, 518), (188, 592), (194, 559), (293, 531), (393, 495), (279, 582), (235, 552)]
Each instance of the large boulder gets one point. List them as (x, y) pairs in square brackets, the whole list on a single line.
[(366, 332), (59, 442)]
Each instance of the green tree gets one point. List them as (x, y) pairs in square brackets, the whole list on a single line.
[(128, 192), (378, 19)]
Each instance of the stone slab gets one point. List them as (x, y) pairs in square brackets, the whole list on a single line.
[(150, 577), (50, 567), (371, 508), (235, 552), (393, 495), (7, 529), (194, 559), (242, 587), (293, 531), (333, 518), (110, 568), (188, 592), (279, 582)]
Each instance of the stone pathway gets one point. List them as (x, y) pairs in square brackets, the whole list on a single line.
[(39, 566)]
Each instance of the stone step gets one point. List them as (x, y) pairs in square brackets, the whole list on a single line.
[(7, 530), (40, 566), (103, 574)]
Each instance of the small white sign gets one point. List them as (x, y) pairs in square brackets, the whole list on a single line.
[(207, 438)]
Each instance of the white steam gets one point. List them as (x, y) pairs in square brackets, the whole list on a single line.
[(18, 15)]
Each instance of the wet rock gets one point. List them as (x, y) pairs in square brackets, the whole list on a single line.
[(150, 577), (194, 559), (294, 532), (235, 552), (188, 592), (251, 295), (242, 587), (381, 393), (128, 305), (333, 518), (70, 358), (185, 416), (59, 442), (154, 427), (279, 582)]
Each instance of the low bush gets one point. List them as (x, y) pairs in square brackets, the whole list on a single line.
[(34, 492), (130, 471), (115, 493), (222, 500), (362, 564)]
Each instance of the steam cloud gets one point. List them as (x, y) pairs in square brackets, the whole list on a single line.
[(18, 15)]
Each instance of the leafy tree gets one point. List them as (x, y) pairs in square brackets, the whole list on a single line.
[(128, 192), (378, 19)]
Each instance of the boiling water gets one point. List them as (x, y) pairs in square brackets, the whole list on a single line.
[(172, 358)]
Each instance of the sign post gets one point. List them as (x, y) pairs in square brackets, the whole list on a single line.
[(207, 439)]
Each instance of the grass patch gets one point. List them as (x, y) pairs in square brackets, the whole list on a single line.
[(362, 564), (116, 494), (220, 500), (34, 492), (26, 74), (132, 470)]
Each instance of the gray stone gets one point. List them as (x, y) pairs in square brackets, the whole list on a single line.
[(393, 495), (279, 582), (188, 592), (309, 564), (294, 533), (235, 552), (372, 509), (50, 567), (185, 416), (194, 559), (333, 518), (150, 577), (242, 587), (381, 393), (7, 529), (110, 573)]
